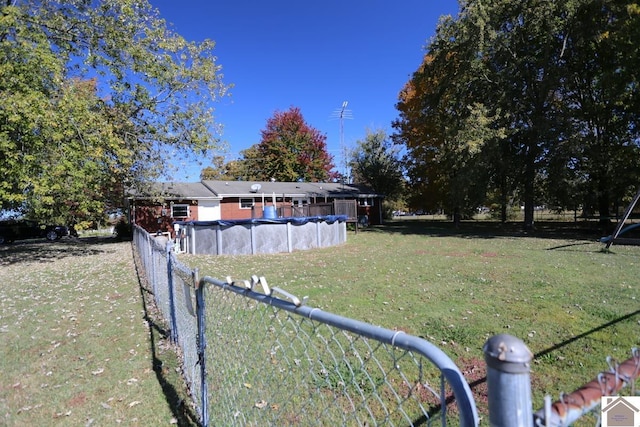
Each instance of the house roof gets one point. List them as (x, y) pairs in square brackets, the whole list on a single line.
[(175, 190), (288, 189), (216, 190)]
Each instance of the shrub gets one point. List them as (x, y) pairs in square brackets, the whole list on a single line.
[(122, 230)]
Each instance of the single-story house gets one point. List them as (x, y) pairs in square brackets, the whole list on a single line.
[(168, 202), (158, 207)]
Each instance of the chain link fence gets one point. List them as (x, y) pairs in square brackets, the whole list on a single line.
[(173, 285), (256, 355), (277, 362), (251, 358)]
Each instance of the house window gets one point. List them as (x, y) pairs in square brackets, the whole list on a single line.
[(246, 203), (365, 201), (180, 211)]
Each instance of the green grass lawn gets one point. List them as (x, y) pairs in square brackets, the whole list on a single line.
[(77, 347), (555, 288)]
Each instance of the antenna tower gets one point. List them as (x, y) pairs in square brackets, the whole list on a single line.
[(342, 113)]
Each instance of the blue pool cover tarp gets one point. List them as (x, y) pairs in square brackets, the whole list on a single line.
[(330, 219)]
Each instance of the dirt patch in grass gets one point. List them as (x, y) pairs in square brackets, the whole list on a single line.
[(475, 372)]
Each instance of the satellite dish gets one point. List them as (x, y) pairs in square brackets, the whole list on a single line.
[(255, 188)]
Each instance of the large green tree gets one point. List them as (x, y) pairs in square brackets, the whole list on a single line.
[(291, 150), (444, 122), (96, 96), (536, 100), (524, 65), (81, 163), (376, 162), (600, 94)]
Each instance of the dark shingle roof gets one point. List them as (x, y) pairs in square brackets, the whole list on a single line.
[(175, 190), (289, 189), (221, 189)]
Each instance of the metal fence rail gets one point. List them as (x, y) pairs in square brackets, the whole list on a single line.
[(276, 362)]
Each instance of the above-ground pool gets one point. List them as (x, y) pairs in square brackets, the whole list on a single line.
[(261, 235)]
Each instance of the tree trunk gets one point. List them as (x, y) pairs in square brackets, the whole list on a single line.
[(503, 201), (603, 210), (456, 216), (528, 214), (529, 198)]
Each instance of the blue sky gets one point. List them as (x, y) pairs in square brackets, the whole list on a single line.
[(313, 55)]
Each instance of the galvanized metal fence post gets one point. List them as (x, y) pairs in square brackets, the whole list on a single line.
[(508, 366), (173, 324), (202, 346)]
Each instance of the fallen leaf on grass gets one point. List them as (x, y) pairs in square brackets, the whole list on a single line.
[(261, 404), (134, 403), (98, 372)]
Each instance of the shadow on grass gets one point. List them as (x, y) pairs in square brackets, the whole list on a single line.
[(585, 334), (569, 245), (173, 389), (489, 229), (480, 382), (43, 251)]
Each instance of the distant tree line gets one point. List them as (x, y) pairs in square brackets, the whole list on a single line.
[(515, 104), (527, 102)]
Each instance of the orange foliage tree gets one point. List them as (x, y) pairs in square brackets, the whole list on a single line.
[(291, 150)]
